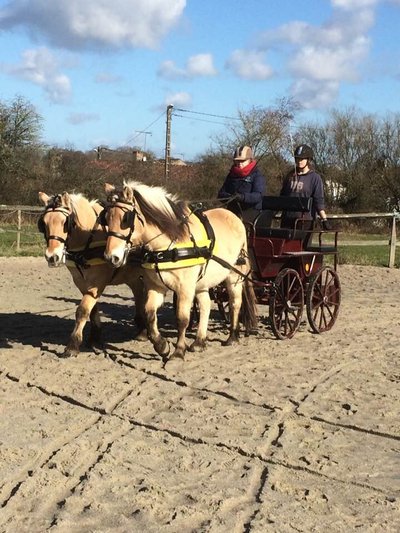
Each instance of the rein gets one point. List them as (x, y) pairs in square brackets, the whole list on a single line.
[(174, 255)]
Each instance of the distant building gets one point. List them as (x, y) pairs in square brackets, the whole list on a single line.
[(179, 162), (138, 155)]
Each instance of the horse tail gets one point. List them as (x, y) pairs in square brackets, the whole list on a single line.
[(249, 306)]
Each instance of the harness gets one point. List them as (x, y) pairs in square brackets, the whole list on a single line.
[(177, 255), (91, 254), (180, 255)]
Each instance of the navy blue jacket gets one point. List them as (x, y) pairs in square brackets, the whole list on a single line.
[(303, 186), (252, 187)]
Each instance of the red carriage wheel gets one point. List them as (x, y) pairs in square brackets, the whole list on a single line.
[(323, 299), (286, 303), (219, 295)]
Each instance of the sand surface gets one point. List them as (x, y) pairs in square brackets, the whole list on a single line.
[(269, 436)]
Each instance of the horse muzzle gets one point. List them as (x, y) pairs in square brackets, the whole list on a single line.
[(56, 258), (117, 257)]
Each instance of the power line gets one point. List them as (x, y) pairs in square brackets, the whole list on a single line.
[(146, 128), (207, 114), (199, 119)]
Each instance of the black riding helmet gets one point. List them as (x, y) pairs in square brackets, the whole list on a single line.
[(303, 151)]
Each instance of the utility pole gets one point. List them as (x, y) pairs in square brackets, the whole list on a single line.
[(168, 141), (145, 133)]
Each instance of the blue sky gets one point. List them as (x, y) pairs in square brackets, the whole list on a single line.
[(100, 71)]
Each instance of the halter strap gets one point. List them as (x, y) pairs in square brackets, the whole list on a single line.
[(56, 209), (125, 208)]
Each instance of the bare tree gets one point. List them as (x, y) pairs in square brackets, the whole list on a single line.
[(265, 129), (20, 124)]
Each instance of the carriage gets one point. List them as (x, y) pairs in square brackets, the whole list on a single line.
[(289, 270), (203, 255)]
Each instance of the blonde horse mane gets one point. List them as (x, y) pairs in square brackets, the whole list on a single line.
[(161, 209), (83, 210)]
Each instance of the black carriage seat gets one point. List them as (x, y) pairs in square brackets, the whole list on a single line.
[(271, 205)]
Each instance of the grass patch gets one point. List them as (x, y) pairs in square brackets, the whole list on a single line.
[(31, 242), (32, 245), (369, 255)]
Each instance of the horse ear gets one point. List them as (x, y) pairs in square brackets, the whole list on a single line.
[(66, 199), (128, 193), (43, 197), (108, 188)]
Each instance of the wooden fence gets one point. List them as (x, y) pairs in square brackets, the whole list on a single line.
[(394, 217), (392, 239)]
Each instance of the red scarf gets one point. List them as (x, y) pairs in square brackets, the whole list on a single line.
[(242, 172)]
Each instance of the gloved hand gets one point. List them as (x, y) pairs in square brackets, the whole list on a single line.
[(326, 225), (238, 197)]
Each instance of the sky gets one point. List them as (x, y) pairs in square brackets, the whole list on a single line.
[(102, 73)]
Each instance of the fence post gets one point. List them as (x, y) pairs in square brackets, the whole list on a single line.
[(392, 253), (19, 218)]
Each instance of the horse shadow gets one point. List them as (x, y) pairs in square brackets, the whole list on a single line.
[(40, 330)]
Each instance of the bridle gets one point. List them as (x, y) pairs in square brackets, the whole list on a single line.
[(128, 219), (68, 224)]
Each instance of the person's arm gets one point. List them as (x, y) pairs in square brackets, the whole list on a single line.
[(322, 214), (223, 193), (318, 197), (258, 190), (319, 201)]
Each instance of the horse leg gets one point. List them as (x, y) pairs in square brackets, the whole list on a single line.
[(183, 308), (153, 302), (82, 315), (95, 337), (203, 299), (138, 291), (235, 302)]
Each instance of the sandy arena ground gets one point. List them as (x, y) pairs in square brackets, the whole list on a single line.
[(269, 436)]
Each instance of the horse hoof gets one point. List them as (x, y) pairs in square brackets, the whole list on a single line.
[(197, 346), (96, 344), (69, 353), (174, 363), (141, 336), (178, 354), (230, 341), (162, 348)]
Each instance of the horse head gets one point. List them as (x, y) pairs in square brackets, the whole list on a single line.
[(140, 215), (56, 223), (121, 216)]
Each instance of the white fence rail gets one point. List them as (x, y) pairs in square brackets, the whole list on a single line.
[(395, 217)]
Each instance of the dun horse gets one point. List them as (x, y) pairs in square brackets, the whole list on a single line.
[(75, 236), (183, 251)]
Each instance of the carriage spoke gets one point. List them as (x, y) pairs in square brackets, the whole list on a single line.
[(286, 304), (323, 299)]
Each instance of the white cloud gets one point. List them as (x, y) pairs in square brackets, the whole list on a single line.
[(352, 5), (78, 24), (41, 67), (201, 65), (313, 94), (170, 71), (180, 99), (249, 64), (323, 63), (196, 66), (321, 58), (80, 118)]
